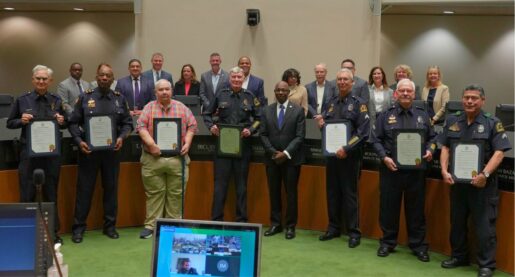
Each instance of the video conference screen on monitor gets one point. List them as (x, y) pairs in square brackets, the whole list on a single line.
[(205, 248)]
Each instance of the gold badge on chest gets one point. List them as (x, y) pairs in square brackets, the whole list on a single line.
[(91, 103)]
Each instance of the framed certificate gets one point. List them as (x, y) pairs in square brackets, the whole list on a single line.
[(466, 160), (43, 138), (229, 141), (335, 133), (100, 132), (409, 148), (167, 135)]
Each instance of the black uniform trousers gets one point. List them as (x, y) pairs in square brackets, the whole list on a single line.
[(342, 188), (482, 204), (289, 176), (52, 167), (224, 169), (393, 186), (109, 164)]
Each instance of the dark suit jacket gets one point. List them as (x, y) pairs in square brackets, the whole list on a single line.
[(329, 90), (124, 86), (164, 75), (207, 92), (290, 137), (256, 86), (180, 89)]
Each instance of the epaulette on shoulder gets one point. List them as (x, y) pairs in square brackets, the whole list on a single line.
[(419, 108), (117, 93), (488, 115), (88, 91), (457, 113)]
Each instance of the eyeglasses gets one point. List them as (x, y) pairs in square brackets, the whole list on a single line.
[(281, 90), (41, 79)]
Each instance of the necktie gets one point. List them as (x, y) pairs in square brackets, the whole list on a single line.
[(280, 119), (158, 76), (80, 87), (136, 93)]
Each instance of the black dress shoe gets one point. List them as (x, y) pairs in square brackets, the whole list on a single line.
[(290, 233), (383, 251), (274, 229), (111, 233), (422, 256), (354, 242), (485, 272), (328, 236), (58, 239), (77, 237), (454, 262)]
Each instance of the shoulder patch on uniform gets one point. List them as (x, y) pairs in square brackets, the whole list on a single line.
[(88, 91), (454, 127), (498, 127), (256, 102), (363, 108)]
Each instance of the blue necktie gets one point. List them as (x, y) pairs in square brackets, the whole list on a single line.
[(280, 119)]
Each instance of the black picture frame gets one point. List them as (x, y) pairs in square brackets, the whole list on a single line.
[(236, 149), (54, 149), (420, 163), (108, 146), (176, 149), (480, 158), (327, 124)]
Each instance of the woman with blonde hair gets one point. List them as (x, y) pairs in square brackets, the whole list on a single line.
[(436, 94)]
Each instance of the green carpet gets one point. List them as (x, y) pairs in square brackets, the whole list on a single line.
[(305, 255)]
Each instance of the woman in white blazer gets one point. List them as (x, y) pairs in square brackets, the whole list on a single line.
[(436, 94)]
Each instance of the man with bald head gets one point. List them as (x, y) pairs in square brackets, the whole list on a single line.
[(70, 89), (251, 82), (319, 92), (283, 128)]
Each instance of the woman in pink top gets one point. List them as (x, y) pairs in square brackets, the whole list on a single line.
[(188, 83)]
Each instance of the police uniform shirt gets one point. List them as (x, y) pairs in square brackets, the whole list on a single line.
[(95, 102), (40, 106), (397, 118), (241, 108), (353, 109), (485, 128)]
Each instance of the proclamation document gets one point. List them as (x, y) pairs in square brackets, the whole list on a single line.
[(229, 141), (408, 149), (167, 135), (43, 138), (467, 160), (335, 134), (100, 132)]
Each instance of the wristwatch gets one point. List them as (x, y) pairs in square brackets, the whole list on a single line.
[(486, 173)]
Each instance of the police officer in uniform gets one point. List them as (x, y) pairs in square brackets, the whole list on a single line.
[(395, 182), (479, 197), (235, 106), (342, 171), (100, 101), (38, 104)]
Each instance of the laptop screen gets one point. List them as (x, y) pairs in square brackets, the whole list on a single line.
[(209, 248)]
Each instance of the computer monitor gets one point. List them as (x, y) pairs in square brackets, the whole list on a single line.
[(210, 248), (191, 101), (23, 243), (505, 113)]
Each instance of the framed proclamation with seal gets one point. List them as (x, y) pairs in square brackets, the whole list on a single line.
[(229, 141), (335, 134), (100, 132), (43, 138), (167, 135), (466, 160), (409, 148)]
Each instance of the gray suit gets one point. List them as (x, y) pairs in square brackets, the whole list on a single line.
[(289, 138), (207, 92), (69, 91)]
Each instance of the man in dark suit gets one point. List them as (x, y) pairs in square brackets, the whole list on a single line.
[(157, 72), (319, 92), (70, 89), (252, 83), (360, 87), (137, 89), (283, 128), (213, 81)]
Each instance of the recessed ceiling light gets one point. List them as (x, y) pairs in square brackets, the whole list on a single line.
[(448, 12), (9, 9), (78, 9)]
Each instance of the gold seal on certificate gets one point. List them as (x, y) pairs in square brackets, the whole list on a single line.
[(409, 148), (100, 132), (43, 138), (335, 134), (167, 135), (229, 141), (466, 161)]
